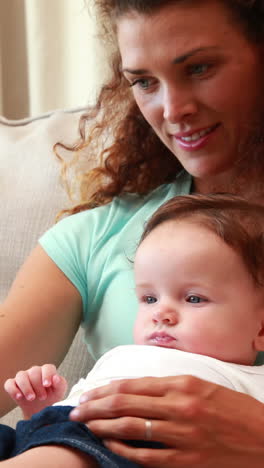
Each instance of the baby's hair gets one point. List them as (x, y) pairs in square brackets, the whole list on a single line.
[(238, 222)]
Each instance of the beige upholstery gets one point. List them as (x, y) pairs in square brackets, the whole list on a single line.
[(31, 196)]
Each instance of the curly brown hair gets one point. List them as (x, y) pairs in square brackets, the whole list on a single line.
[(132, 158)]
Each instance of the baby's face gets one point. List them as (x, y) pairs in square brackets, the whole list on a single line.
[(195, 294)]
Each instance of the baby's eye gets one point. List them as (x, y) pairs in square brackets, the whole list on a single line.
[(194, 299), (150, 299)]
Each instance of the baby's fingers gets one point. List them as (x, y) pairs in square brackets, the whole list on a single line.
[(54, 383), (49, 374), (21, 386), (13, 390), (30, 383)]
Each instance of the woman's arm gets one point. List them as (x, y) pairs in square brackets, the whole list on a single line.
[(38, 319), (203, 425)]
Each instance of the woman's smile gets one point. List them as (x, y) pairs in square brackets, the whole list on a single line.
[(195, 140)]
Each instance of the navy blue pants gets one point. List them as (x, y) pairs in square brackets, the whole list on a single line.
[(52, 426)]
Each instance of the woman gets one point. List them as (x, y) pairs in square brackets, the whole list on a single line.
[(186, 114)]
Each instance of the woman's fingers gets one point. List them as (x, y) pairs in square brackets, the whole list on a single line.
[(150, 386), (119, 404), (157, 458), (167, 399), (168, 433)]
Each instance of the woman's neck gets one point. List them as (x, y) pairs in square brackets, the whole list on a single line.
[(248, 183)]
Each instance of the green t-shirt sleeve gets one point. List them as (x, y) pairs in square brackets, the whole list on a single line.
[(67, 245), (75, 244), (71, 242)]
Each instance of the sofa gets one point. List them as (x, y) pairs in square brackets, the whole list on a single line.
[(31, 196)]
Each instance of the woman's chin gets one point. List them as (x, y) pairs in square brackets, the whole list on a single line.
[(207, 169)]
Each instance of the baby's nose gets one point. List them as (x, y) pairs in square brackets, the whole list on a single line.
[(166, 314)]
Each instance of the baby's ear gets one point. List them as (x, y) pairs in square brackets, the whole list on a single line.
[(259, 340)]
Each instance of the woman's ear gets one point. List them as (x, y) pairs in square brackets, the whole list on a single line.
[(259, 339)]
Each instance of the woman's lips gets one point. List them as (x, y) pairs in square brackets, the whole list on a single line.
[(196, 140)]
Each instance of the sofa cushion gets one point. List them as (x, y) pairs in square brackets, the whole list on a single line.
[(31, 196)]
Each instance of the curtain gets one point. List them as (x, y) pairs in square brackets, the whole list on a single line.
[(50, 56)]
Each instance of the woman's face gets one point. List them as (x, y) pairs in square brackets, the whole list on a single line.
[(197, 80)]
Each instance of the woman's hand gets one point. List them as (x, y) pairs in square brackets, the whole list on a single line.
[(202, 424)]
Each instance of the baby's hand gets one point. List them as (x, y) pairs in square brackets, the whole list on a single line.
[(36, 388)]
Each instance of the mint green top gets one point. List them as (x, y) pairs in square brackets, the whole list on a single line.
[(94, 250)]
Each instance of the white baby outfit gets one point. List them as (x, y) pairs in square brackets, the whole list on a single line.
[(132, 361)]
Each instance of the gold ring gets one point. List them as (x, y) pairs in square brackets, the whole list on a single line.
[(148, 429)]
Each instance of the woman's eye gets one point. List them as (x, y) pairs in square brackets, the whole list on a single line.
[(194, 299), (150, 299), (143, 83), (198, 69)]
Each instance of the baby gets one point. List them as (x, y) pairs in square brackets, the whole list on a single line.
[(199, 272)]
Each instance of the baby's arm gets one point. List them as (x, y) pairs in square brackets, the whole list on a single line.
[(36, 388)]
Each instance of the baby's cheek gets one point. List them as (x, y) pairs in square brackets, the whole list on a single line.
[(195, 341), (139, 334)]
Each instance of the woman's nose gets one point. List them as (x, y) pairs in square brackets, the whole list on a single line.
[(165, 315), (178, 104)]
